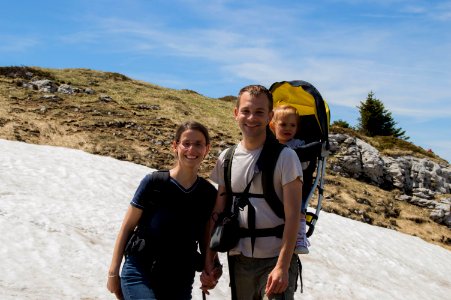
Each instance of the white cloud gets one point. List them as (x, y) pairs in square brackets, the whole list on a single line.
[(404, 55)]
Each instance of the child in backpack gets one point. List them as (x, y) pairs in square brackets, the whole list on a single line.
[(266, 268), (284, 125)]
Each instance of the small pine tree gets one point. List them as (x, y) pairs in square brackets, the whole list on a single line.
[(376, 120)]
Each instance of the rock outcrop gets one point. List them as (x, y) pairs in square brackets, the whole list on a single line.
[(420, 180)]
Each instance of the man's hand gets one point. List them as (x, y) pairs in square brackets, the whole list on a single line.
[(277, 281), (210, 279)]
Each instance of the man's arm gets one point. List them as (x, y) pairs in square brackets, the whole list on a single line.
[(292, 198)]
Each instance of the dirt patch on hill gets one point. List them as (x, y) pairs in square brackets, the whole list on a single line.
[(112, 115)]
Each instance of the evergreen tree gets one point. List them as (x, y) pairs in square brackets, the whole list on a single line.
[(376, 120)]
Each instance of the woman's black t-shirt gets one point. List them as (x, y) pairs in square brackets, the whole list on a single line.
[(175, 220)]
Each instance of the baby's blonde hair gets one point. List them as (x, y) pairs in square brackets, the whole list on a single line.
[(283, 111)]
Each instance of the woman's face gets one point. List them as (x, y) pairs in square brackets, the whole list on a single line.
[(191, 148)]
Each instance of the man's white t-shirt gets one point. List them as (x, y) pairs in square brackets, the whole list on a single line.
[(287, 169)]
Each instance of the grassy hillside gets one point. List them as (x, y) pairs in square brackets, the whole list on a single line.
[(126, 119), (111, 114)]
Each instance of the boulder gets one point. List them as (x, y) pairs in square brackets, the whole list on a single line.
[(357, 159), (45, 85), (441, 213)]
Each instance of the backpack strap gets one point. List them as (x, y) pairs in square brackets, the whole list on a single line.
[(136, 242), (159, 181), (266, 163), (227, 177), (300, 274), (160, 177)]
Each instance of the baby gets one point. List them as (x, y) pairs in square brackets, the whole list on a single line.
[(284, 125)]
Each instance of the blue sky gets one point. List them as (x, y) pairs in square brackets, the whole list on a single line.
[(399, 49)]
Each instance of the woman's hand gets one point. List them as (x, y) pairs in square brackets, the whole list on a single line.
[(128, 225), (114, 286), (209, 279)]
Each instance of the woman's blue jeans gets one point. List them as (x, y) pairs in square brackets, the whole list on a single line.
[(136, 284)]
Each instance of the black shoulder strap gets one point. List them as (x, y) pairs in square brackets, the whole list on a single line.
[(158, 181), (160, 177), (266, 163), (157, 184), (227, 176)]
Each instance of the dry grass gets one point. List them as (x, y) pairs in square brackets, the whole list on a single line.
[(138, 125), (370, 204)]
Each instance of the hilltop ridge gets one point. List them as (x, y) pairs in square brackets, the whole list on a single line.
[(110, 114)]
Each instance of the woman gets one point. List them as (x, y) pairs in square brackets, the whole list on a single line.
[(166, 220)]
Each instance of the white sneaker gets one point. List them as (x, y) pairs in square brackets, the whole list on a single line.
[(302, 246), (302, 242)]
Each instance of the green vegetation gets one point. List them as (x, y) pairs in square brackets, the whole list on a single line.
[(25, 72), (375, 120), (341, 123), (134, 121), (228, 98)]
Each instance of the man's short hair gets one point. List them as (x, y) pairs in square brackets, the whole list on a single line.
[(256, 90)]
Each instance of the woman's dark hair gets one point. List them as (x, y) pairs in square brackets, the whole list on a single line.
[(193, 125)]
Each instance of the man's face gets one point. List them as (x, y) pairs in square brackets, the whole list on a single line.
[(253, 115)]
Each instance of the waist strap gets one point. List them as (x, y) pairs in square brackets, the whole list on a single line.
[(262, 232)]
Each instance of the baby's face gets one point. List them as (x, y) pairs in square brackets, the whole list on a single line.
[(286, 128)]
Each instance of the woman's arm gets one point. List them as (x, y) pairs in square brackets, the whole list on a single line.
[(218, 208), (129, 223), (208, 277)]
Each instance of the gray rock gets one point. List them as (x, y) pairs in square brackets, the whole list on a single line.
[(89, 91), (423, 193), (372, 164), (50, 97), (441, 213), (105, 98), (403, 197), (355, 158), (66, 89), (423, 202), (45, 85)]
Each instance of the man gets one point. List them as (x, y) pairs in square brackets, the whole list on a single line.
[(266, 267)]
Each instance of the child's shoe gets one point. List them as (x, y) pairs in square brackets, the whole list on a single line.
[(302, 246), (302, 242)]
